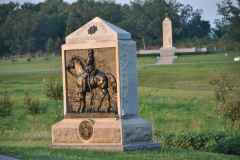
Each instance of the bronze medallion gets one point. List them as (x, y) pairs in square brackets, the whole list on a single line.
[(86, 130)]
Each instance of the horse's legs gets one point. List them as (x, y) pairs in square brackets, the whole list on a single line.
[(105, 93), (82, 101)]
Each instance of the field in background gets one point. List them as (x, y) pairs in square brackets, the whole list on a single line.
[(166, 99), (213, 56), (33, 64), (163, 97), (146, 60), (55, 63), (16, 84)]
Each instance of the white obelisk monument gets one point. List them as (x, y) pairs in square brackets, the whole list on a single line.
[(167, 36)]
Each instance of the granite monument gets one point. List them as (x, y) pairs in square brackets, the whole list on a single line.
[(100, 92)]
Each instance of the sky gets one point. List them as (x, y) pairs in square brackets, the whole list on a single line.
[(208, 6)]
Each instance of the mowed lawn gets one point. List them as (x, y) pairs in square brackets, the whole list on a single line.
[(173, 97), (146, 60), (33, 64), (213, 56)]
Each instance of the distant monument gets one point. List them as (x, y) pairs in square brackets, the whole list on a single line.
[(100, 92), (168, 49), (167, 33)]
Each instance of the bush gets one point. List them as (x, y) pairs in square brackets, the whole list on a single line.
[(227, 142), (5, 104)]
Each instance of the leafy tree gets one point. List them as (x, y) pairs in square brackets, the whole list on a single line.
[(50, 7), (192, 23), (53, 89), (231, 106), (219, 29), (57, 46), (19, 26), (50, 45), (5, 10), (231, 14), (5, 104), (33, 7), (136, 20), (83, 11), (32, 45), (223, 82), (58, 25), (32, 107)]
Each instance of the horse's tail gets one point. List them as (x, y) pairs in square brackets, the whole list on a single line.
[(112, 81)]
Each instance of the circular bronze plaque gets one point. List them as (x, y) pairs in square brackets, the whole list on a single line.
[(85, 130)]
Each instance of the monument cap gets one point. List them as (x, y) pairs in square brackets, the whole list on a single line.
[(97, 30)]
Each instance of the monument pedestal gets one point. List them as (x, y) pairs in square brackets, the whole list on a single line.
[(108, 135), (167, 51)]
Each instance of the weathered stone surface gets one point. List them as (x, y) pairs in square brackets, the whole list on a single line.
[(137, 133), (118, 148), (67, 131), (128, 78), (106, 135), (65, 135)]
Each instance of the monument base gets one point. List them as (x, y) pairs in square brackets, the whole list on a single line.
[(167, 51), (109, 134), (118, 148)]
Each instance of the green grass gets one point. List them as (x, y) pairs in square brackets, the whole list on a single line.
[(163, 101), (182, 76), (38, 150), (146, 60), (34, 64), (211, 57), (33, 82)]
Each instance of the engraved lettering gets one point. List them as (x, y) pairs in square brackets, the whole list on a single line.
[(103, 27)]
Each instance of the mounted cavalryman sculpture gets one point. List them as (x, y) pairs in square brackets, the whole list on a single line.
[(89, 78)]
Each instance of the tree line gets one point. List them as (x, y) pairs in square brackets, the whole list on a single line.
[(42, 27)]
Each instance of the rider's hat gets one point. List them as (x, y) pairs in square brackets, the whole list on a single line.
[(90, 51)]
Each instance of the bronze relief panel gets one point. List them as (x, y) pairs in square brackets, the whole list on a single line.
[(91, 81)]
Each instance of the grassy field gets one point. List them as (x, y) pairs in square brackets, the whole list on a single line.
[(213, 56), (170, 96), (16, 84), (34, 64), (55, 63), (146, 60)]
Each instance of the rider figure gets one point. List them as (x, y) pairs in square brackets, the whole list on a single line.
[(89, 68)]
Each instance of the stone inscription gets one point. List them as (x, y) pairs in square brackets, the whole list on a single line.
[(92, 38), (100, 24)]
